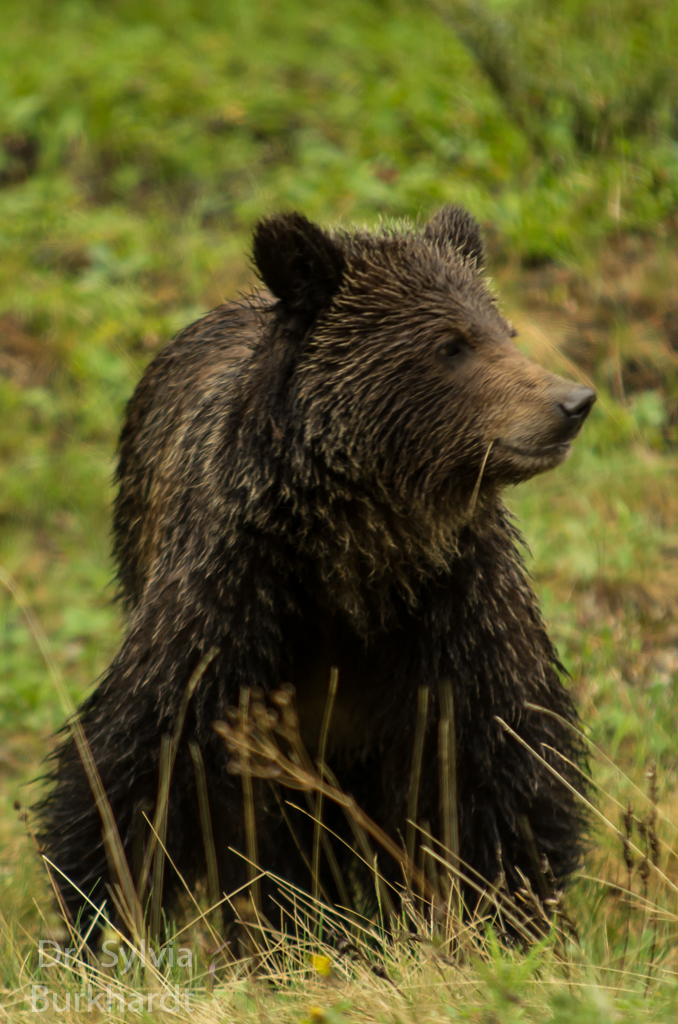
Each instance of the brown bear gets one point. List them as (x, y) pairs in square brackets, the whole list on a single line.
[(310, 478)]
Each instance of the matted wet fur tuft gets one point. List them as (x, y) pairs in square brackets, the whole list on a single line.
[(311, 478)]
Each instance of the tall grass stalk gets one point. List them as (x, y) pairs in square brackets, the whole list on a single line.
[(415, 772), (213, 891), (164, 768), (449, 808), (322, 748), (248, 807), (163, 794)]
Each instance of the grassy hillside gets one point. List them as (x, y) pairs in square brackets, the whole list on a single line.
[(139, 143)]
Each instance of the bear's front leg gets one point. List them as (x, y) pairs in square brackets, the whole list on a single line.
[(124, 721)]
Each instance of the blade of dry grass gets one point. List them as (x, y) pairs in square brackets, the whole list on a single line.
[(159, 856), (284, 698), (368, 855), (428, 865), (322, 748), (248, 805), (213, 891), (161, 808), (139, 839), (476, 490), (204, 915), (295, 837), (449, 810), (415, 772), (653, 844)]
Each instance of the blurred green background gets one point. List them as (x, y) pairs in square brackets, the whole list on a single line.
[(141, 140)]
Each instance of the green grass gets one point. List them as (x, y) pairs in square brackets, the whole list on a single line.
[(140, 142)]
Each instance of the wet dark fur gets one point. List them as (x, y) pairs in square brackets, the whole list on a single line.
[(295, 480)]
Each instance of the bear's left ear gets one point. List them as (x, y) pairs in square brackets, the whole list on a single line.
[(298, 262), (453, 226)]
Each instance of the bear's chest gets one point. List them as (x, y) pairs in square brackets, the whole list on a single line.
[(365, 682)]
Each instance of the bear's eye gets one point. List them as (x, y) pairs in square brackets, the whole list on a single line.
[(453, 347)]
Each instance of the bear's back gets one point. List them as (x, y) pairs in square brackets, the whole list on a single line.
[(198, 369)]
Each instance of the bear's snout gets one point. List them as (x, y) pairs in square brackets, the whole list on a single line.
[(548, 414)]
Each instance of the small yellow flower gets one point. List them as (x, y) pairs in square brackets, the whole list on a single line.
[(323, 965), (316, 1015)]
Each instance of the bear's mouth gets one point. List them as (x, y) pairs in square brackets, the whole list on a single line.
[(554, 453)]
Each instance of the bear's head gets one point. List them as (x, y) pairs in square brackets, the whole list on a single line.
[(406, 376)]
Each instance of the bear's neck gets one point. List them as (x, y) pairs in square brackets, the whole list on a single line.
[(371, 556)]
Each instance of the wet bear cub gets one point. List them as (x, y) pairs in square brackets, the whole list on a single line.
[(310, 478)]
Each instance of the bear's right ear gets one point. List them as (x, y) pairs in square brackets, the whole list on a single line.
[(455, 228), (298, 262)]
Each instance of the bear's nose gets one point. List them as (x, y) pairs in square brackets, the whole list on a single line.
[(578, 404)]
